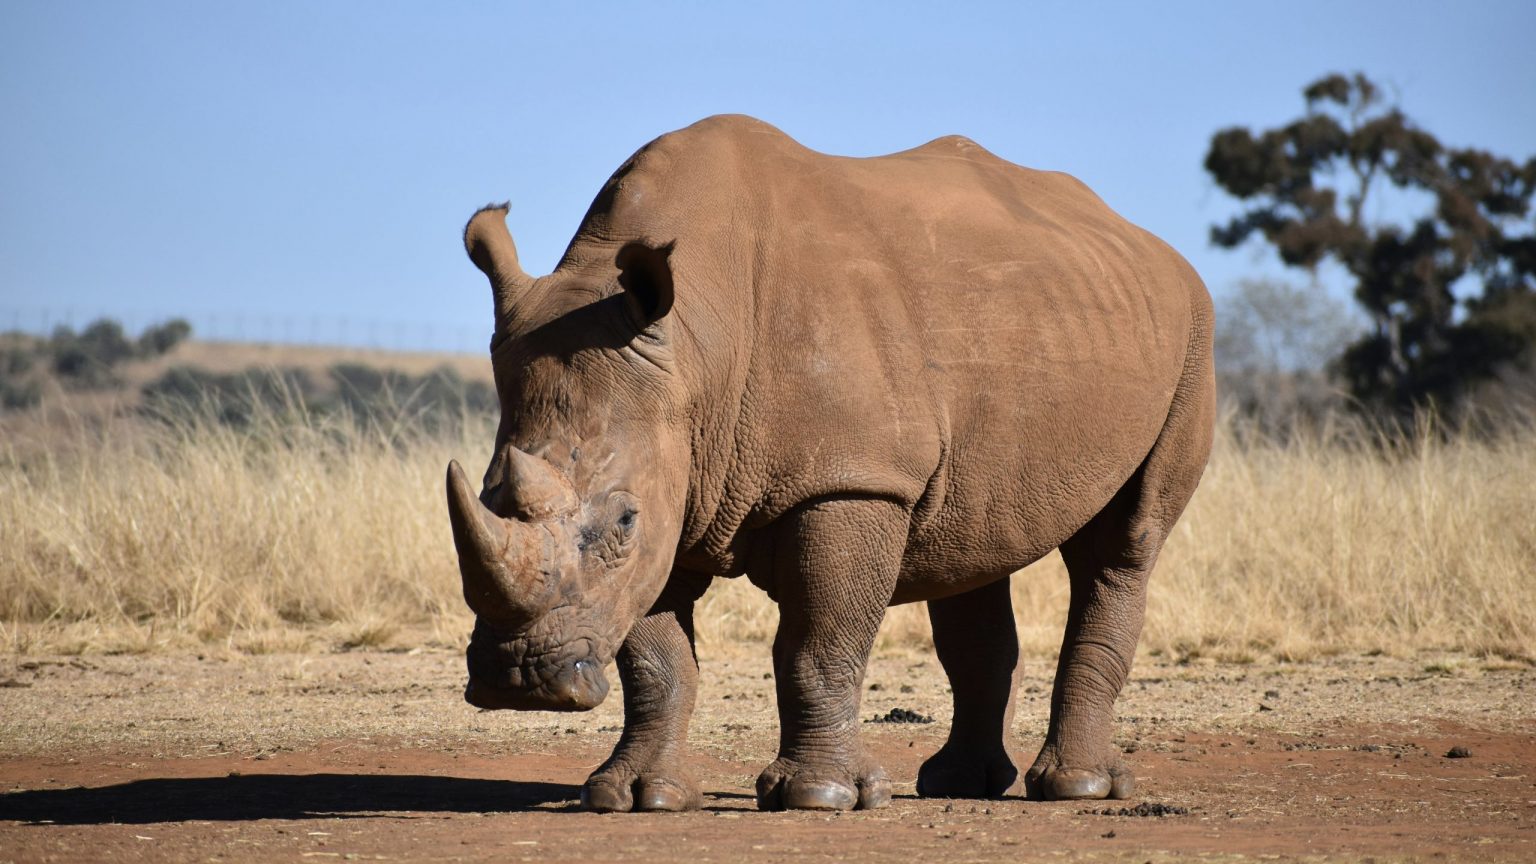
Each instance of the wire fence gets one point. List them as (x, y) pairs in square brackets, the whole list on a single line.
[(339, 331)]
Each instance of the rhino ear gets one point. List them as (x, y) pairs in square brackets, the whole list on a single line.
[(645, 272)]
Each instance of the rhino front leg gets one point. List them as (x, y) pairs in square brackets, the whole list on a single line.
[(835, 570), (660, 674), (974, 636)]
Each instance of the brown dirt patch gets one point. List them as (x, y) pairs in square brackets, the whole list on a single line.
[(370, 756)]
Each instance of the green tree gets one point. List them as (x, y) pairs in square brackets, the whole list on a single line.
[(1451, 296)]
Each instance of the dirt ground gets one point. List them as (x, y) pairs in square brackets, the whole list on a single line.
[(374, 756)]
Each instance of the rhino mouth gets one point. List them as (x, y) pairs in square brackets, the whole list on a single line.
[(510, 675), (581, 686)]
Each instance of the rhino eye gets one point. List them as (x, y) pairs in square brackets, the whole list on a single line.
[(627, 521)]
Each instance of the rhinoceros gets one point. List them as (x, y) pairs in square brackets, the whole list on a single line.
[(858, 382)]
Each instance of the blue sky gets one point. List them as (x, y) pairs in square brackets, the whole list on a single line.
[(281, 167)]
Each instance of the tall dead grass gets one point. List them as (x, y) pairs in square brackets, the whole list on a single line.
[(303, 533), (290, 533), (1352, 540)]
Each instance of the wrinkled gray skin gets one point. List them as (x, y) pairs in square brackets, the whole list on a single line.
[(858, 382)]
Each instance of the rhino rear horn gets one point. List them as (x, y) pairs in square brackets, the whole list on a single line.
[(539, 492), (508, 566), (490, 246)]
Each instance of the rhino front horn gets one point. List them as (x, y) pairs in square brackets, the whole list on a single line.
[(507, 565)]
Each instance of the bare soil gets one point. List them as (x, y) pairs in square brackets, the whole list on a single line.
[(374, 756)]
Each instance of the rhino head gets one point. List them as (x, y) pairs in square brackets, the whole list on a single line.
[(571, 536)]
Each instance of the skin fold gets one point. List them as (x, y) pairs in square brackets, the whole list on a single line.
[(856, 382)]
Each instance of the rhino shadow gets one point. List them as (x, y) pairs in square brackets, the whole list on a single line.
[(279, 796)]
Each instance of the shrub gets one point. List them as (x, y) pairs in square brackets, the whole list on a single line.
[(20, 393), (159, 339), (395, 403), (233, 399), (16, 361), (434, 402), (85, 361)]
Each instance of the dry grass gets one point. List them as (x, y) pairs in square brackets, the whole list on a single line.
[(1347, 542), (293, 534), (307, 535)]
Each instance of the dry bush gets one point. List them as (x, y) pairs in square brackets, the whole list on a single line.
[(300, 533)]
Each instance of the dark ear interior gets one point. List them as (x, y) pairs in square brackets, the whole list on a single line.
[(645, 272)]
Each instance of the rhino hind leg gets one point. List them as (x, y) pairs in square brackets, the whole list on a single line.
[(1109, 561), (974, 636), (835, 568), (1079, 759), (648, 771)]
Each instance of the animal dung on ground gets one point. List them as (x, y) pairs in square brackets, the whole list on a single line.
[(900, 715), (1145, 808)]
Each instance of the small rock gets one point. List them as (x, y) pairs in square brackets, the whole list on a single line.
[(1458, 752)]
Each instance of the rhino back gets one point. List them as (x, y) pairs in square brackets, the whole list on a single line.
[(987, 344)]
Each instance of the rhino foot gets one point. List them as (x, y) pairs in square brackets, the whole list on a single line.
[(959, 772), (1048, 780), (789, 785), (616, 790)]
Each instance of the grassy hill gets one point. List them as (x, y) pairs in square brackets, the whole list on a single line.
[(101, 372)]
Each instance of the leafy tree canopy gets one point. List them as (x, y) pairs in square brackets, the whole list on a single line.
[(1307, 184)]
